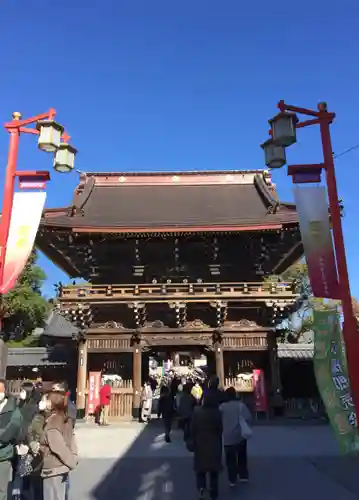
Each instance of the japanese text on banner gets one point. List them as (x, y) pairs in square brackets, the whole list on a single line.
[(332, 379)]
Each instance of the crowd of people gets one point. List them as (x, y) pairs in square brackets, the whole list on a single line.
[(213, 421), (37, 442)]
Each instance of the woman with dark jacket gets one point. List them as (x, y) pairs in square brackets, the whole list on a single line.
[(185, 410), (34, 436), (28, 407), (166, 409), (206, 442)]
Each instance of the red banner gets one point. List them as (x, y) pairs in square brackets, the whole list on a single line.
[(93, 396), (312, 209), (260, 393)]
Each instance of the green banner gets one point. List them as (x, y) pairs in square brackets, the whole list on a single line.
[(332, 379)]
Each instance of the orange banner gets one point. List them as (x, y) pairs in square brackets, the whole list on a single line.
[(25, 220)]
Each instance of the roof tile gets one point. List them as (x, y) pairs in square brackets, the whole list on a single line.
[(171, 206)]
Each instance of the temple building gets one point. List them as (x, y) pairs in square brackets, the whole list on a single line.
[(174, 263), (52, 355)]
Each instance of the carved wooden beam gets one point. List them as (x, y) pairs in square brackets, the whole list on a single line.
[(221, 311), (217, 336), (109, 344), (79, 314), (181, 313), (139, 312), (279, 309), (136, 338)]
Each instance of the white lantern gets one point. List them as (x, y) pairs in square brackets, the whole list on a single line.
[(65, 158), (274, 154), (50, 135), (284, 130)]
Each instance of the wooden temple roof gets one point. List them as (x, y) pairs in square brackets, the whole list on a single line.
[(172, 201), (58, 326), (37, 356)]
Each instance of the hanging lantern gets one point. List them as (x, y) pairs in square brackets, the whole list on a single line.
[(283, 128), (274, 154), (65, 158), (50, 135)]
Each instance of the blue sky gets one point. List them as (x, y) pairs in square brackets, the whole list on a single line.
[(169, 85)]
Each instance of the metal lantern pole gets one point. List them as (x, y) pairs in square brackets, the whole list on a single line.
[(16, 127), (284, 134), (350, 326), (8, 193)]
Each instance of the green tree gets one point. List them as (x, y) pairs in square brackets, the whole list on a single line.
[(24, 308), (302, 321), (299, 325)]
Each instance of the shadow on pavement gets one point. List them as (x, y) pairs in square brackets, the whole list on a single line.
[(150, 469)]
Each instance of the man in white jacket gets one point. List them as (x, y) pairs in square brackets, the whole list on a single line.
[(234, 412)]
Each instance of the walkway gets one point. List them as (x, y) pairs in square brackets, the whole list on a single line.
[(132, 462)]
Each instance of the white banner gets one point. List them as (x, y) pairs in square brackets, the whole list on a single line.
[(313, 215), (25, 220)]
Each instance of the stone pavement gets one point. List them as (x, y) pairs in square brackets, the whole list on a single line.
[(132, 462)]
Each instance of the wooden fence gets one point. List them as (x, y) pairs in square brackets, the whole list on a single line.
[(121, 400), (242, 383)]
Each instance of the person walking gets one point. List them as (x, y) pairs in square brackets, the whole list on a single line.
[(10, 429), (185, 410), (146, 402), (197, 392), (166, 409), (59, 448), (105, 400), (236, 432), (206, 444)]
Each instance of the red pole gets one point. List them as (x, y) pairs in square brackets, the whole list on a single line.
[(350, 327), (8, 197)]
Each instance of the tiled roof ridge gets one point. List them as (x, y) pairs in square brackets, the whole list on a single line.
[(262, 180), (172, 172)]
